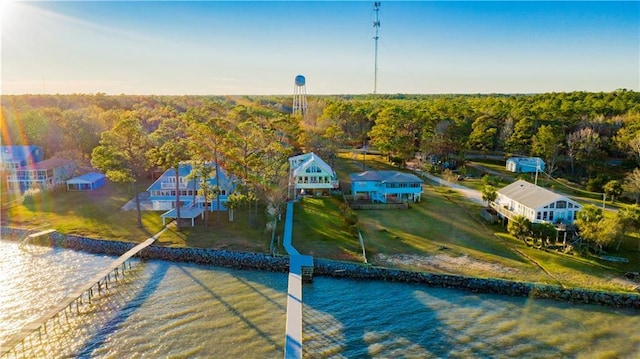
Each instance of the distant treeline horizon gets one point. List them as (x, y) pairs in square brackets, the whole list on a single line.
[(574, 132)]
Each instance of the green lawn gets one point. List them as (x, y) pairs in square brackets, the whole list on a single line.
[(443, 225), (223, 234), (97, 214), (320, 230), (94, 214)]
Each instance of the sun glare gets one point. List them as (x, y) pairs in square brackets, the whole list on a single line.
[(8, 11)]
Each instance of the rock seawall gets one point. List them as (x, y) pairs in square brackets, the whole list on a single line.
[(324, 267)]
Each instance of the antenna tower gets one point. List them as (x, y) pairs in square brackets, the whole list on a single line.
[(376, 25)]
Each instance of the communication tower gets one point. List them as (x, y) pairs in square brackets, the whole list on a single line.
[(376, 25), (299, 96)]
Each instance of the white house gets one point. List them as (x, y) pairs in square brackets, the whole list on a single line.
[(525, 164), (535, 203), (386, 186), (309, 174)]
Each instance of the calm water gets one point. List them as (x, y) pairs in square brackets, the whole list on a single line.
[(165, 309)]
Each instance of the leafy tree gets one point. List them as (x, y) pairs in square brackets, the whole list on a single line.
[(484, 134), (235, 200), (395, 132), (519, 227), (629, 219), (171, 148), (246, 142), (546, 231), (208, 138), (632, 184), (634, 147), (489, 194), (121, 154), (585, 148), (547, 143), (613, 189), (520, 140), (593, 227)]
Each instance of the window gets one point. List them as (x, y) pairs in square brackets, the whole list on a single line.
[(570, 205), (544, 215), (551, 215), (552, 205), (538, 215), (561, 204)]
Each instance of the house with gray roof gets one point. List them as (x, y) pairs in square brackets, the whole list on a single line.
[(535, 203), (309, 174), (386, 186)]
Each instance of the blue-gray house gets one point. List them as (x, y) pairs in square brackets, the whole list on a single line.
[(386, 186), (14, 157), (162, 192)]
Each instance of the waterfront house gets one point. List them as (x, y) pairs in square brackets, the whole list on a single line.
[(310, 175), (86, 182), (525, 164), (14, 157), (43, 175), (535, 203), (162, 192), (386, 186)]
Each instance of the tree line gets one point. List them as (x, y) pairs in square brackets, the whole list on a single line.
[(578, 134)]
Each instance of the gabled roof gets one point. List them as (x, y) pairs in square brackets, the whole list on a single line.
[(306, 160), (90, 177), (51, 163), (184, 169), (385, 177), (529, 194)]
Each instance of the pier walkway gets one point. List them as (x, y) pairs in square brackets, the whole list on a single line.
[(297, 265), (100, 282)]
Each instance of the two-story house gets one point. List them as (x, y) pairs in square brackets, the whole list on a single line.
[(162, 192), (386, 186), (43, 175), (310, 175), (14, 157)]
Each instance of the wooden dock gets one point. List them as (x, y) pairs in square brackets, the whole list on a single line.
[(300, 270), (100, 282)]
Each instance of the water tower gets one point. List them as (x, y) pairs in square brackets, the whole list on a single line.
[(299, 96)]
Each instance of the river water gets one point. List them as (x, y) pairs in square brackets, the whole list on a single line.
[(163, 309)]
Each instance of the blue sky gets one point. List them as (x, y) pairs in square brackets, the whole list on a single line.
[(258, 47)]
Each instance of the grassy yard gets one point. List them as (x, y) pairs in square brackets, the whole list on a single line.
[(320, 230), (235, 236), (97, 214), (444, 227), (94, 214)]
